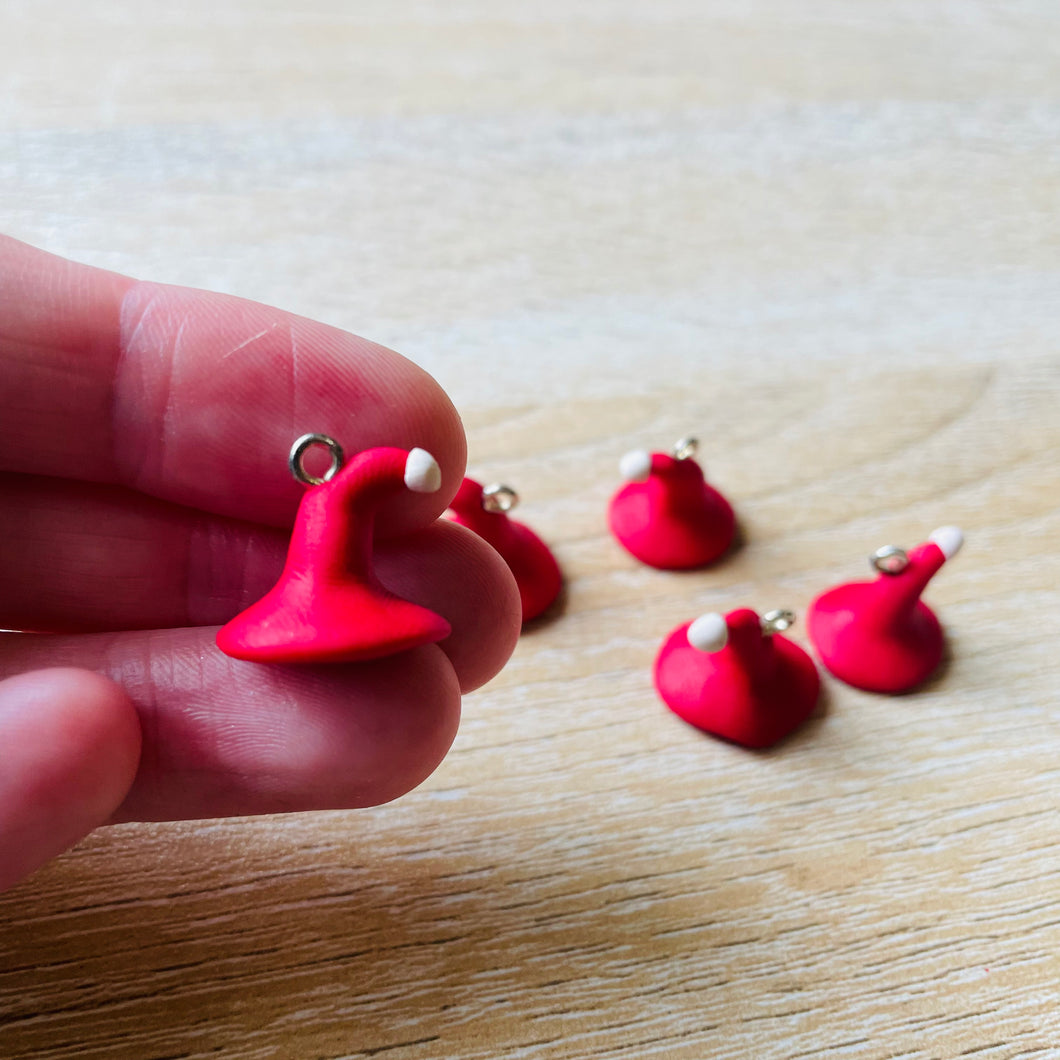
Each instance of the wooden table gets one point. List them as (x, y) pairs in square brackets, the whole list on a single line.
[(824, 237)]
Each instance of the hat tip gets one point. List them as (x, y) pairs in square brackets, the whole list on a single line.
[(708, 633), (949, 540), (635, 466), (422, 473)]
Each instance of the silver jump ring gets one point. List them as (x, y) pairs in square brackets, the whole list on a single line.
[(685, 448), (777, 621), (499, 498), (298, 451), (890, 559)]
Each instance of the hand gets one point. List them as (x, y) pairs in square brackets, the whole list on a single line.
[(145, 500)]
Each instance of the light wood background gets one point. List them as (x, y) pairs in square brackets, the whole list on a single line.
[(822, 235)]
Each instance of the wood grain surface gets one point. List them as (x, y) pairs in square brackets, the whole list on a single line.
[(824, 237)]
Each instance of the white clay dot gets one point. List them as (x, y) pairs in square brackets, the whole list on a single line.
[(949, 539), (422, 473), (708, 632), (635, 466)]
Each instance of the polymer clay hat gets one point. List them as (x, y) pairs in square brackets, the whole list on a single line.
[(667, 515), (879, 635), (736, 676), (328, 605), (485, 511)]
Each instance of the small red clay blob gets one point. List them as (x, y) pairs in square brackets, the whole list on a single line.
[(531, 562), (328, 605), (879, 635), (667, 515), (731, 678)]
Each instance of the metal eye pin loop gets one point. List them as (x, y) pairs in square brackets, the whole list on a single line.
[(777, 621), (685, 448), (890, 559), (499, 498), (298, 451)]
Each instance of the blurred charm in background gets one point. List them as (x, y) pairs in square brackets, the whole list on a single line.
[(667, 515), (879, 635), (328, 605), (485, 511), (735, 676)]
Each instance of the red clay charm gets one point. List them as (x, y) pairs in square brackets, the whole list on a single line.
[(736, 677), (879, 635), (536, 571), (328, 605), (667, 515)]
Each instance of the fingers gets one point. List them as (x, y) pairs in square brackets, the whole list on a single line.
[(455, 573), (196, 397), (83, 557), (69, 748), (222, 737)]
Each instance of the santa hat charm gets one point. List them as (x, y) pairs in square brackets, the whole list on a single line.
[(667, 515), (736, 677), (328, 605), (485, 511), (879, 635)]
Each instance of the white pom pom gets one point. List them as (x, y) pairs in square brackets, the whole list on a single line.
[(635, 466), (422, 473), (949, 539), (709, 632)]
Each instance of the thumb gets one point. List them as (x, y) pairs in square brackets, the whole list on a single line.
[(69, 749)]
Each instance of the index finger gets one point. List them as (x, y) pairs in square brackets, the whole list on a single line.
[(196, 397)]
